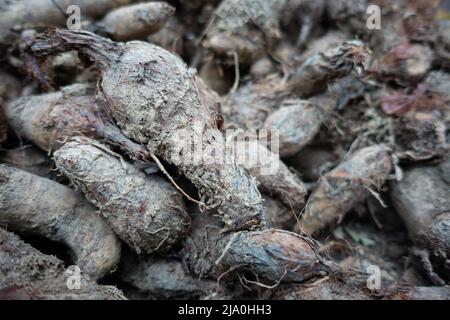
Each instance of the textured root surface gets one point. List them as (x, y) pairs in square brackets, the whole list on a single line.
[(29, 274), (39, 206), (145, 211)]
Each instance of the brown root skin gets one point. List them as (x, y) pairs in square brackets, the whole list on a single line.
[(244, 27), (28, 274), (136, 21), (145, 211), (30, 159), (48, 120), (38, 206), (154, 100), (406, 64), (297, 122), (421, 135), (422, 200), (274, 255), (21, 14), (162, 278), (340, 189), (273, 175), (250, 105), (319, 70)]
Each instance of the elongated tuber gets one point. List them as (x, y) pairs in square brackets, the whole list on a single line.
[(422, 200), (155, 101), (38, 206), (271, 254), (244, 28), (323, 67), (145, 212), (48, 120), (273, 175), (29, 274), (136, 21), (17, 15), (340, 189)]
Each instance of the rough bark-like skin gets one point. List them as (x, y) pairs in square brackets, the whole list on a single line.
[(21, 14), (162, 278), (145, 211), (48, 120), (26, 273), (39, 206), (422, 199), (421, 135), (154, 100), (406, 64), (273, 255), (273, 175), (297, 122), (136, 21), (30, 159), (340, 189), (318, 71), (245, 27)]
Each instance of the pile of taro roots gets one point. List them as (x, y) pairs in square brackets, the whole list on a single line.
[(348, 198)]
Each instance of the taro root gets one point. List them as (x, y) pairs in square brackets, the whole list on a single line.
[(38, 206), (422, 200), (343, 187), (244, 28), (272, 254), (322, 44), (154, 100), (251, 104), (30, 159), (170, 37), (405, 64), (18, 15), (420, 135), (48, 120), (145, 211), (163, 278), (273, 175), (296, 123), (28, 274), (136, 21), (319, 70)]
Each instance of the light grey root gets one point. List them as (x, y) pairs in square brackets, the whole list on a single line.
[(146, 212), (27, 274)]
